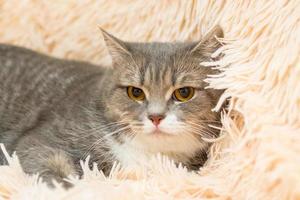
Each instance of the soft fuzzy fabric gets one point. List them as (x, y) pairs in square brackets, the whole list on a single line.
[(258, 153)]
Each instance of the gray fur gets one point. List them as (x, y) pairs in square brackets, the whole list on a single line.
[(54, 112)]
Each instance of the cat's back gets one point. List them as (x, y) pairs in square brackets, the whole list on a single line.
[(31, 82), (22, 65)]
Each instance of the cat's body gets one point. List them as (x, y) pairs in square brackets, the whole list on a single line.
[(54, 112), (48, 102)]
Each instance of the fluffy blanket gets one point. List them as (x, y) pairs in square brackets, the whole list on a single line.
[(257, 155)]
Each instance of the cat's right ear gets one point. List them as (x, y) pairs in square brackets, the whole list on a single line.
[(209, 43), (116, 47)]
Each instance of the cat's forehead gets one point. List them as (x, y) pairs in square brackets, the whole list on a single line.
[(157, 48), (164, 65), (158, 51)]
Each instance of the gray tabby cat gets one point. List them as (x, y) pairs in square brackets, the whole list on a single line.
[(55, 112)]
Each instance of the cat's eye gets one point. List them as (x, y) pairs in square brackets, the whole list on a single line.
[(183, 94), (135, 93)]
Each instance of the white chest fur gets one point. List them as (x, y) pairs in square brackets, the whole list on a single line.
[(179, 148)]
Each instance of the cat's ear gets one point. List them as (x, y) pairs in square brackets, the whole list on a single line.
[(116, 47), (209, 43)]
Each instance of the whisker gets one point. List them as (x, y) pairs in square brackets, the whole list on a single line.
[(95, 130), (203, 130), (100, 140)]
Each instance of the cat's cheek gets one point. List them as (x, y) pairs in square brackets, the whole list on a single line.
[(171, 125)]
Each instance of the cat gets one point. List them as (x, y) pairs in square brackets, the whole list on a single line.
[(152, 99)]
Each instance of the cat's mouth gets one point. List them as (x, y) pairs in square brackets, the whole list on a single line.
[(159, 133), (151, 131)]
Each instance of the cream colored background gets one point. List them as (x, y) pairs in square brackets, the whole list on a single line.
[(258, 155)]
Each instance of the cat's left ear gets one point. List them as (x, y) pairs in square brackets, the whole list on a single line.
[(209, 43), (116, 47)]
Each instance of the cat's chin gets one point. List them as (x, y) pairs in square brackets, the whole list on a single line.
[(159, 134)]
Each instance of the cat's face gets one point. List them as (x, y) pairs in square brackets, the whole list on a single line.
[(160, 93)]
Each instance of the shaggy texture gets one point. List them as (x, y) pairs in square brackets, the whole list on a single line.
[(257, 154)]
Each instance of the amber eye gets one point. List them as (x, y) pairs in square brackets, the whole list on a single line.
[(184, 94), (136, 94)]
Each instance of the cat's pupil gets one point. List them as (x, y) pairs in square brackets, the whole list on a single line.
[(184, 92), (137, 92)]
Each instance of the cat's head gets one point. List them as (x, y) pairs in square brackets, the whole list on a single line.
[(159, 91)]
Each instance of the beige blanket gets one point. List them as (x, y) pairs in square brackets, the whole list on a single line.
[(258, 153)]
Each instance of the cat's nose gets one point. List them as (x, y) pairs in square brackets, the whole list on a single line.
[(156, 119)]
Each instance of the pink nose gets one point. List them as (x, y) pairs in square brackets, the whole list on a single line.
[(156, 119)]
